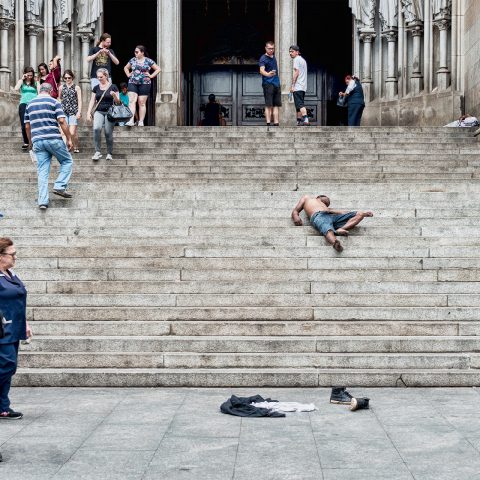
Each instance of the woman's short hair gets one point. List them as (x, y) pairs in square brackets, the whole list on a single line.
[(103, 71), (211, 97), (5, 242)]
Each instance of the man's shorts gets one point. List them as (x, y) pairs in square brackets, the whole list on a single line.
[(324, 221), (142, 90), (299, 99), (272, 94), (72, 120)]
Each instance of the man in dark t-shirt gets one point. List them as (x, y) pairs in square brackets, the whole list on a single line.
[(270, 83), (101, 56)]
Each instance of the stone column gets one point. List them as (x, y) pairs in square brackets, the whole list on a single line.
[(5, 24), (367, 36), (286, 35), (168, 103), (61, 34), (443, 73), (33, 30), (391, 83), (416, 78), (85, 34)]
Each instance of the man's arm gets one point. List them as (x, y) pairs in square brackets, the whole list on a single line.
[(63, 125), (296, 211), (296, 73), (263, 72), (112, 56)]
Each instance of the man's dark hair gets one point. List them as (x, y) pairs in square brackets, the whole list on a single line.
[(123, 85), (294, 47)]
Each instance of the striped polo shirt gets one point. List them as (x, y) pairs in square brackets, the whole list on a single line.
[(42, 113)]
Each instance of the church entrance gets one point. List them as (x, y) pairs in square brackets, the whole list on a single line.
[(132, 23), (324, 33), (222, 41)]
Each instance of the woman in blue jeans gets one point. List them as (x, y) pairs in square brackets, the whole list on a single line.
[(13, 305), (103, 96)]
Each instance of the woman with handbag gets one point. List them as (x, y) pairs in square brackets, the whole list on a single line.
[(104, 95), (355, 100), (14, 328), (139, 82)]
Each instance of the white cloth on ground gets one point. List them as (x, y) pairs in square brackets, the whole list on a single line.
[(286, 406)]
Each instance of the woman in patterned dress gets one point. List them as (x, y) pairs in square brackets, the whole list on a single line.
[(71, 98)]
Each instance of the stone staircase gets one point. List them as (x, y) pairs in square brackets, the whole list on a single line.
[(177, 263)]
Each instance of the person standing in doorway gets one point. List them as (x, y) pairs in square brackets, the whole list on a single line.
[(355, 100), (42, 118), (299, 84), (270, 83), (28, 88), (139, 83), (101, 56), (71, 97)]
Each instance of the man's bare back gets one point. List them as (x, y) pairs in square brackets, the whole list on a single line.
[(336, 222)]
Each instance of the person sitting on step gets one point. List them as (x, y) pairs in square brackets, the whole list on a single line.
[(328, 221)]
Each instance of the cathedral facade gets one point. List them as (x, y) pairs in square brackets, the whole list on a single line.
[(418, 60)]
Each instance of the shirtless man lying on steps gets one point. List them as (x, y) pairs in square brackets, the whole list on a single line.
[(328, 221)]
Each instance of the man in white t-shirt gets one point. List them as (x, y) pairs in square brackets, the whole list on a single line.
[(299, 84)]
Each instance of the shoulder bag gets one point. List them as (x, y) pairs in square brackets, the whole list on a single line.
[(119, 113), (342, 101)]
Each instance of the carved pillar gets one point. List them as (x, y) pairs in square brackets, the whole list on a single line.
[(391, 83), (33, 30), (61, 34), (416, 78), (443, 73), (286, 35), (85, 35), (5, 24), (168, 103), (367, 36)]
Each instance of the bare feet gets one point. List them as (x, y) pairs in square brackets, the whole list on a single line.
[(342, 232), (337, 246)]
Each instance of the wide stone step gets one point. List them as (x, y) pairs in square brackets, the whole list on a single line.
[(301, 377), (247, 360)]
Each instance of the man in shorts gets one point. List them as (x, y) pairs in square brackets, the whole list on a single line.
[(299, 84), (328, 221), (270, 83)]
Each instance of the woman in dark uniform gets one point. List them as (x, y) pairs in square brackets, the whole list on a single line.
[(213, 112), (13, 303), (355, 101)]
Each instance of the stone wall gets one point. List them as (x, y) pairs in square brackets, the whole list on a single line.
[(472, 57), (432, 109)]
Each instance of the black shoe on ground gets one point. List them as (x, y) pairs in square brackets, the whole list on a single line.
[(359, 404), (25, 146), (43, 207), (10, 415), (340, 395), (1, 459), (62, 193)]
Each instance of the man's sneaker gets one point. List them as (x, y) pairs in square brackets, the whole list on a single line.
[(97, 156), (62, 193), (140, 124), (109, 156), (359, 404), (341, 396), (10, 415), (43, 207)]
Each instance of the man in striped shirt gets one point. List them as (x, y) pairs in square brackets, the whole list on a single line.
[(43, 116)]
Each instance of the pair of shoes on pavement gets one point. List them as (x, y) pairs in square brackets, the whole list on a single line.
[(10, 415), (340, 396), (98, 156)]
